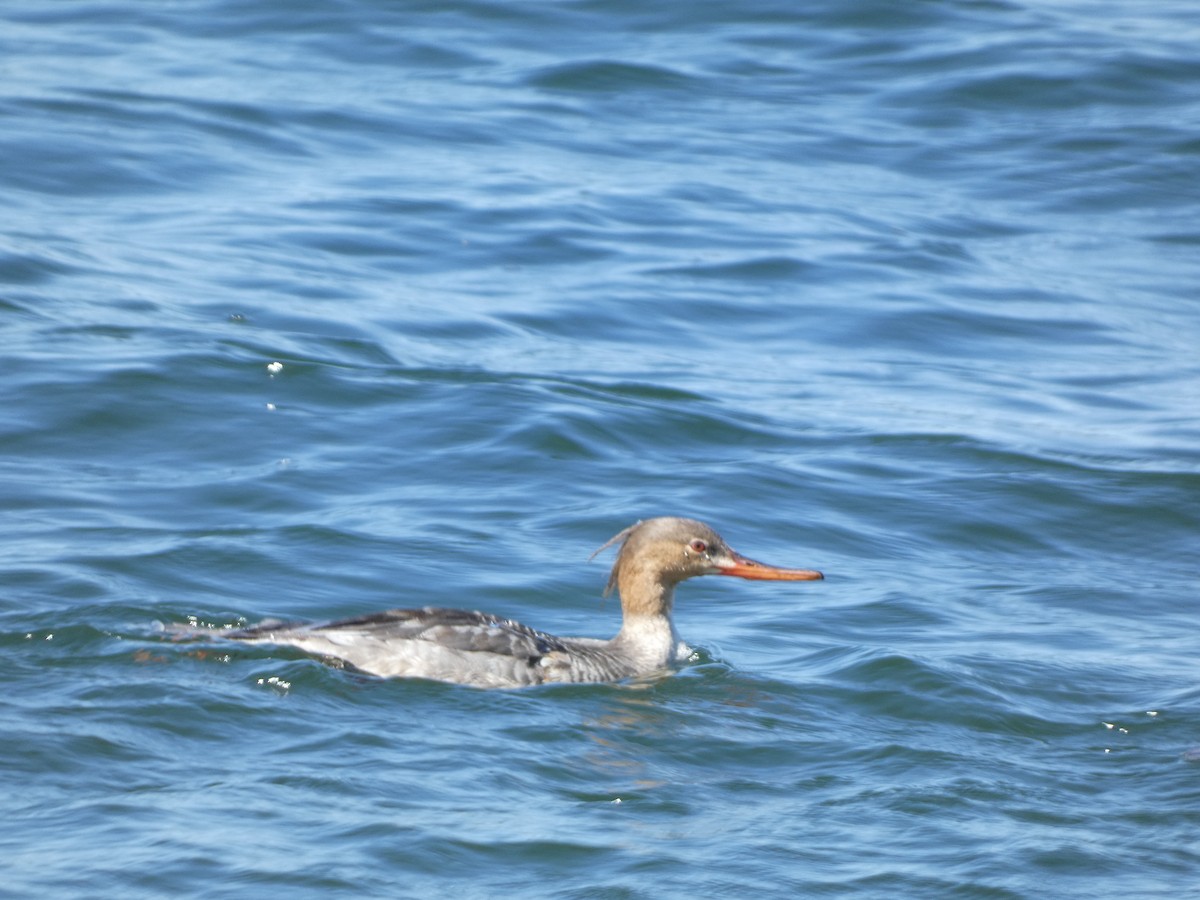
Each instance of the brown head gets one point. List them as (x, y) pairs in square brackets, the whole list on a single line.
[(657, 554)]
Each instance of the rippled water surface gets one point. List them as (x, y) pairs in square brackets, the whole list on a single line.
[(314, 309)]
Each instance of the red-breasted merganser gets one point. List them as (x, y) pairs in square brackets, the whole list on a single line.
[(486, 650)]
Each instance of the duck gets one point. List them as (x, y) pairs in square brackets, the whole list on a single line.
[(483, 649)]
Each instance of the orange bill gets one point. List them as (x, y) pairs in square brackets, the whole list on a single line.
[(742, 567)]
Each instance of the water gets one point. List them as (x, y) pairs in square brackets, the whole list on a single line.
[(904, 292)]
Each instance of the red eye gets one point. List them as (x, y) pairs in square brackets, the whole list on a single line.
[(698, 546)]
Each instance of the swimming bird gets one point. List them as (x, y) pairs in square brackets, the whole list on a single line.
[(486, 650)]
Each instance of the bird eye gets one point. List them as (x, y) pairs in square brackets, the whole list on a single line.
[(698, 546)]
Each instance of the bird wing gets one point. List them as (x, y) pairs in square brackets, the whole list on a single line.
[(454, 629)]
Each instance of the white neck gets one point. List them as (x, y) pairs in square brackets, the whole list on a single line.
[(649, 641)]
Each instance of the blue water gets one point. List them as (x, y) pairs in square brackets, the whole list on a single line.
[(314, 309)]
